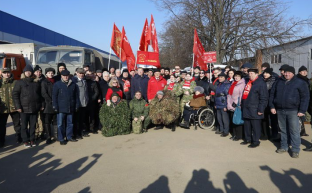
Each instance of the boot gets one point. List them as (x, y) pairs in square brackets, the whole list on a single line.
[(19, 138), (173, 127), (185, 125)]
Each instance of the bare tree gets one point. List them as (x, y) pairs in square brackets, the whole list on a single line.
[(233, 28)]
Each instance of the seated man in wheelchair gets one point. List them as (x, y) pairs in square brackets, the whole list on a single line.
[(193, 106)]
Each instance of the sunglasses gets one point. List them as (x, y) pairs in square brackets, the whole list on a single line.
[(114, 82)]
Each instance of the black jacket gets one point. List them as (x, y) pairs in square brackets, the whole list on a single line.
[(204, 83), (103, 87), (46, 92), (27, 95), (256, 101), (126, 95), (139, 83), (290, 95), (93, 92)]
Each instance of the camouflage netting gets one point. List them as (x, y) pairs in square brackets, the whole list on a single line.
[(165, 111), (115, 121)]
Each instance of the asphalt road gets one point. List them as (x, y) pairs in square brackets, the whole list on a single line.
[(158, 161)]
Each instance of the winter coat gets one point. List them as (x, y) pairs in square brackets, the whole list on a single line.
[(138, 108), (126, 91), (198, 101), (154, 86), (237, 92), (82, 90), (204, 83), (256, 101), (65, 97), (27, 95), (93, 92), (103, 87), (46, 92), (292, 95), (269, 82), (112, 90), (221, 94), (304, 78), (6, 100), (139, 83)]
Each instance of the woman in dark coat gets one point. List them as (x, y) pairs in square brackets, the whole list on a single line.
[(255, 100), (269, 118), (46, 92)]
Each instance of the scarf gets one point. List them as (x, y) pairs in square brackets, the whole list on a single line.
[(187, 84), (126, 86), (170, 86), (248, 88), (197, 96), (232, 87), (52, 80)]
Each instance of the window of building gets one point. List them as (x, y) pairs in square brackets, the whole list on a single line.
[(275, 59)]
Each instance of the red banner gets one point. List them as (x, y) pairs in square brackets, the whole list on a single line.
[(127, 51), (148, 58), (198, 51), (210, 57), (152, 35), (144, 42), (116, 40)]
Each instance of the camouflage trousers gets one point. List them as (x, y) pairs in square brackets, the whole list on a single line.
[(185, 99), (139, 125)]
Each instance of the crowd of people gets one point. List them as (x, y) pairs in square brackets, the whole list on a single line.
[(58, 105)]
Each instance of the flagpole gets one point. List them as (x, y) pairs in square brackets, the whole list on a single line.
[(193, 66), (210, 72), (109, 57), (120, 58)]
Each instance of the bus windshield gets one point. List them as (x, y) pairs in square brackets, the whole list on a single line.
[(59, 56)]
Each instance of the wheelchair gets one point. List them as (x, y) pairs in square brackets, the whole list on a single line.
[(204, 118)]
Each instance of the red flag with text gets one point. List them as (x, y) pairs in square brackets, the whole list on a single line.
[(148, 58), (127, 51), (198, 51), (152, 35), (144, 42), (116, 41)]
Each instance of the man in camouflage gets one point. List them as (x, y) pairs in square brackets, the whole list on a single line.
[(139, 113), (7, 106)]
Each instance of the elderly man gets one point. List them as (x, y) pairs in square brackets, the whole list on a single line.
[(118, 73), (289, 99), (155, 84), (254, 102), (7, 108), (177, 71), (65, 99), (139, 83)]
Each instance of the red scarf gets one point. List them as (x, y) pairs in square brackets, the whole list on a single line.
[(248, 88), (170, 86), (52, 80), (232, 87), (187, 84), (126, 86), (197, 96)]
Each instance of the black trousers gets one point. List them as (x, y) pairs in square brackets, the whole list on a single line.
[(252, 130), (28, 134), (96, 116), (50, 119), (79, 121), (236, 130), (90, 116), (3, 121)]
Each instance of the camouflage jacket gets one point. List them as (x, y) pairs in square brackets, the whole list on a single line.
[(180, 90), (138, 108), (6, 100)]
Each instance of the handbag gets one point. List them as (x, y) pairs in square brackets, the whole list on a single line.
[(238, 115)]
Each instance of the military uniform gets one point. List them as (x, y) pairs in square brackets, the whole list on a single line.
[(7, 108), (185, 98), (138, 108)]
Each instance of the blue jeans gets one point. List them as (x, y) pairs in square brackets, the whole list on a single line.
[(61, 127), (290, 131)]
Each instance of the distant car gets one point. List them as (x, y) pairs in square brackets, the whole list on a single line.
[(187, 69)]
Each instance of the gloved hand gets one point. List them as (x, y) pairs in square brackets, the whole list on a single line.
[(234, 105), (187, 104)]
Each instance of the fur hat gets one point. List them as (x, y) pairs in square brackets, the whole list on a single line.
[(290, 69), (199, 88), (283, 67), (49, 70), (37, 67), (65, 73), (302, 68), (268, 70), (160, 92), (255, 70), (222, 74)]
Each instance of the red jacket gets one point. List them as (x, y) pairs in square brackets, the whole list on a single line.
[(154, 86), (110, 92)]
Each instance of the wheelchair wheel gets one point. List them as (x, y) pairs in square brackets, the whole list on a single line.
[(206, 119)]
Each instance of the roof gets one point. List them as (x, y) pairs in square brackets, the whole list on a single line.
[(291, 42)]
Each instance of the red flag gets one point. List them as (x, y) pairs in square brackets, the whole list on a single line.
[(127, 51), (198, 51), (152, 35), (116, 41), (144, 42), (148, 58)]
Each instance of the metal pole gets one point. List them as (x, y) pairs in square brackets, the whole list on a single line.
[(210, 72), (109, 57), (192, 66), (120, 58)]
